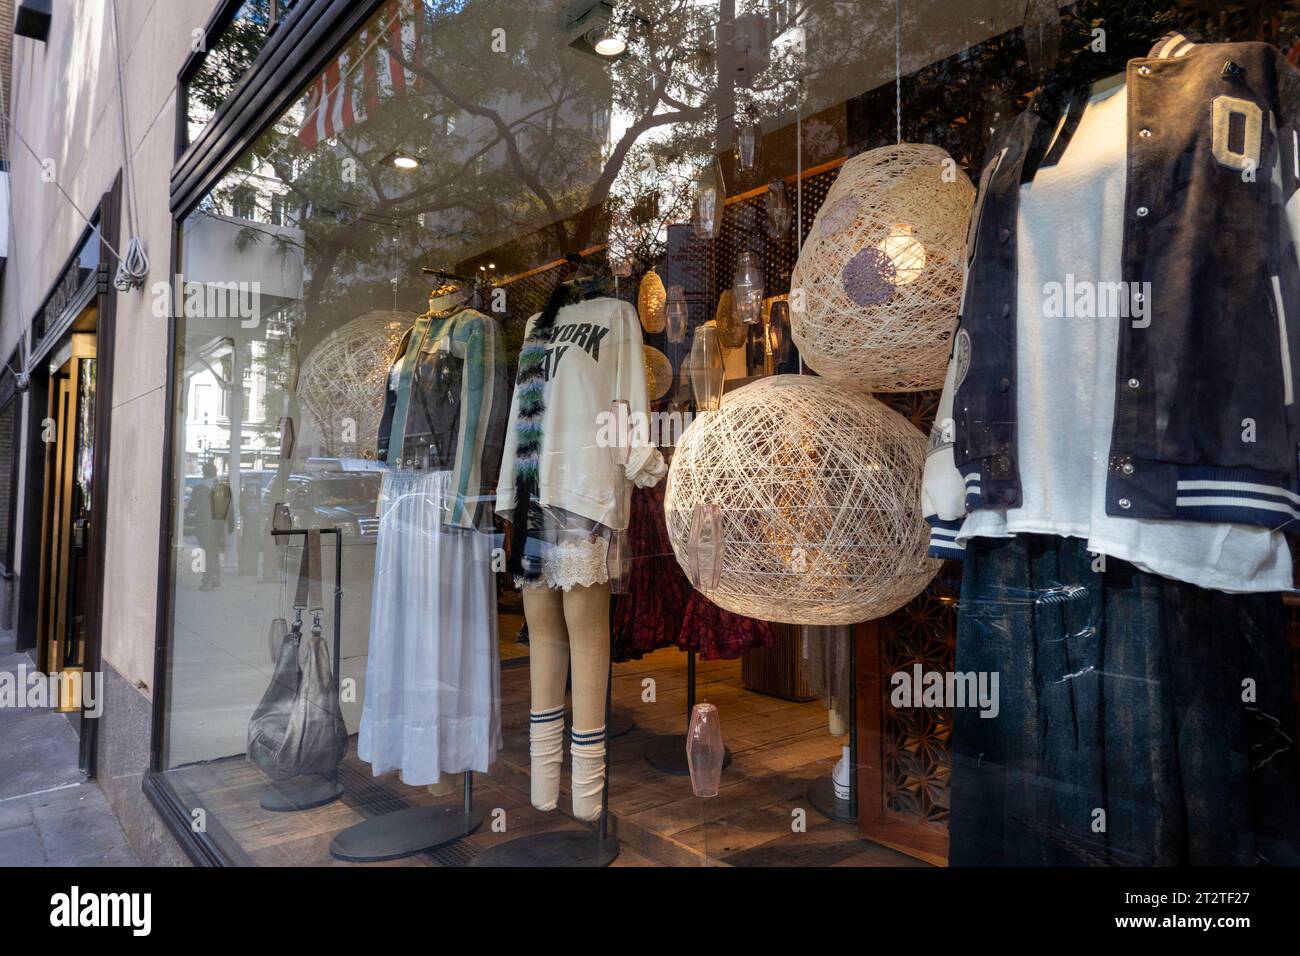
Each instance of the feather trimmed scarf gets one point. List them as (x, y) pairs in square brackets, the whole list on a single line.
[(530, 384)]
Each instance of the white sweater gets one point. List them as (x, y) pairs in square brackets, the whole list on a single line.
[(595, 358)]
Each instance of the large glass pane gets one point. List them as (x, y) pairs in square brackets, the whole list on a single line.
[(600, 341)]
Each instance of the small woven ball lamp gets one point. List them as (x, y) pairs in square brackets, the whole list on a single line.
[(343, 379), (876, 291), (819, 492), (650, 301), (658, 373)]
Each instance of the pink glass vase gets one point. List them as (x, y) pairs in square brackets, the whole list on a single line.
[(705, 751)]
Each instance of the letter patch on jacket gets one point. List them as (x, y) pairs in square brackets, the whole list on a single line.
[(1238, 133)]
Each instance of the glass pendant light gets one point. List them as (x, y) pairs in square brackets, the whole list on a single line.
[(780, 213), (746, 138), (778, 332), (704, 547), (676, 314), (710, 200), (618, 562), (618, 437), (747, 288), (706, 368)]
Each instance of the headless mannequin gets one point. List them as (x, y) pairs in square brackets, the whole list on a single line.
[(568, 630), (444, 299)]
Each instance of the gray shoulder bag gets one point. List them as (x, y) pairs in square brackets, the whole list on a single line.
[(298, 728)]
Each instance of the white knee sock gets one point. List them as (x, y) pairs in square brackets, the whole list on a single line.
[(588, 752), (546, 748)]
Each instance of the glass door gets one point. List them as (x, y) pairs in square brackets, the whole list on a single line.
[(68, 433)]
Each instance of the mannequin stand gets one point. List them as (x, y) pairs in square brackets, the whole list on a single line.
[(821, 793), (304, 793), (407, 832), (586, 847), (620, 724), (668, 754)]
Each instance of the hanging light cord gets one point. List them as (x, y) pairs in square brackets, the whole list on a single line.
[(898, 67), (133, 266)]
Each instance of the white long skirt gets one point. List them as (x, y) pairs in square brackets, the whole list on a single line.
[(433, 692)]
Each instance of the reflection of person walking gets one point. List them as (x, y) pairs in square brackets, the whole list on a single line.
[(212, 507)]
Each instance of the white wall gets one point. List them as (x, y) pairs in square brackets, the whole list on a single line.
[(65, 97)]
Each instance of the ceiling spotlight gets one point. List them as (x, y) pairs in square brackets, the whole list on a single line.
[(591, 30), (403, 160), (606, 45)]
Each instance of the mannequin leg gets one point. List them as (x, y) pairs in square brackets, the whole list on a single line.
[(548, 666), (586, 612)]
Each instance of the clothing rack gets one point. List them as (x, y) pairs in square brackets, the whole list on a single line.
[(668, 754), (304, 795)]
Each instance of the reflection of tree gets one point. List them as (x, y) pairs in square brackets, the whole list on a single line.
[(525, 158), (232, 53)]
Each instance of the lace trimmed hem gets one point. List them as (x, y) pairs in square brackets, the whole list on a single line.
[(571, 564)]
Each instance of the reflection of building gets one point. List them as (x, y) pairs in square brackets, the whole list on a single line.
[(211, 412)]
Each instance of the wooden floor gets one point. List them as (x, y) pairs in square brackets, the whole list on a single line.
[(779, 748)]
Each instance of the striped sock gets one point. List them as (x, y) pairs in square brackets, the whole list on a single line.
[(588, 750), (546, 750)]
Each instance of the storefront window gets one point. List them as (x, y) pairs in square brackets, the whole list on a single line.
[(225, 56), (550, 468)]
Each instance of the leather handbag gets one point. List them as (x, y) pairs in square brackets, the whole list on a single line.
[(297, 727)]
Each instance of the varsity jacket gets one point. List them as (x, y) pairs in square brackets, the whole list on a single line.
[(595, 357), (1205, 422), (445, 408)]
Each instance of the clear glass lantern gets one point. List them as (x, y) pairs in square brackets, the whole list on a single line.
[(747, 136), (707, 371), (710, 200), (676, 314), (619, 435), (778, 333), (780, 211), (704, 547), (747, 288)]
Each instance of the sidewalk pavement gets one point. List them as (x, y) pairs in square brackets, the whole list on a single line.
[(50, 814)]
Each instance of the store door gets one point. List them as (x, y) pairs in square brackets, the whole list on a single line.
[(68, 433)]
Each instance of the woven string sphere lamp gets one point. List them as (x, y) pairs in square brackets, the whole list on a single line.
[(343, 380), (875, 292), (819, 492)]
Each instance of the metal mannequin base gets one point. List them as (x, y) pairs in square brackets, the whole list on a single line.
[(404, 833), (668, 755)]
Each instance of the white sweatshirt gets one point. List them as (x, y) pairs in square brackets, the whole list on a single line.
[(595, 358)]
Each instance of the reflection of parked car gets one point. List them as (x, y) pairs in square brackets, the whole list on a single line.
[(328, 498), (252, 485)]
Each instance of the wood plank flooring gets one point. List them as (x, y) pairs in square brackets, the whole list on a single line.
[(779, 748)]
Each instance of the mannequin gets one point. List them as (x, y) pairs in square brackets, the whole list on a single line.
[(565, 496), (568, 629), (432, 701)]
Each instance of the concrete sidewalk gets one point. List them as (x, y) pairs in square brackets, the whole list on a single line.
[(50, 814)]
